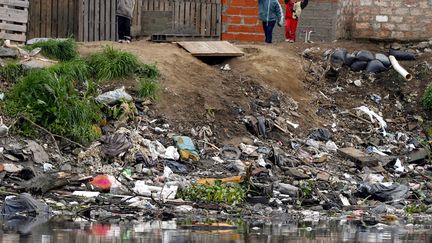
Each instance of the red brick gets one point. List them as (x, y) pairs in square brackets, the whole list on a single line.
[(251, 20), (233, 11), (243, 37), (231, 19), (244, 3), (249, 11)]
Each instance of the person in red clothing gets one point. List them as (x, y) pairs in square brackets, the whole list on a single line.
[(292, 14)]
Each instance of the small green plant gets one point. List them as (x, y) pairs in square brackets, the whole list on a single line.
[(149, 71), (415, 208), (427, 98), (12, 72), (63, 50), (148, 88), (231, 194), (75, 70), (53, 102), (112, 64)]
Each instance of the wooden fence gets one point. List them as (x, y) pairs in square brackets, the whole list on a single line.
[(94, 20), (13, 19)]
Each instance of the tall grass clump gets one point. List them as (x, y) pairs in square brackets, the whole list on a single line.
[(427, 98), (76, 70), (148, 88), (52, 101), (149, 71), (112, 64), (12, 72), (63, 50)]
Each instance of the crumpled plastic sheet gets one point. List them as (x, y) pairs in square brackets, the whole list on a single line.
[(373, 115), (114, 97), (24, 203), (115, 144), (384, 192)]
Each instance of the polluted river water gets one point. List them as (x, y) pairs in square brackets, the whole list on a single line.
[(328, 230)]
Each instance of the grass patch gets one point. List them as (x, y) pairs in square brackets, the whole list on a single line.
[(230, 194), (148, 88), (112, 64), (53, 102), (149, 71), (415, 208), (427, 98), (63, 50), (74, 70), (12, 72)]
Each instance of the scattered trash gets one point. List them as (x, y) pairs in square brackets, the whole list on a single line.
[(114, 97), (320, 134), (24, 203), (86, 194), (372, 116), (114, 145), (384, 191), (187, 148), (101, 182), (226, 67)]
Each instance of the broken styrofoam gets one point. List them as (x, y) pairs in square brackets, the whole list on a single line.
[(373, 116)]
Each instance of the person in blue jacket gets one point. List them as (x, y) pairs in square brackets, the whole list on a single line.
[(270, 13)]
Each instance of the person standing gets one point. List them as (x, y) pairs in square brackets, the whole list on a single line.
[(293, 11), (124, 19), (270, 13)]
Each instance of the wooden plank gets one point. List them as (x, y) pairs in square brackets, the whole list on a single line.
[(91, 20), (13, 27), (13, 37), (96, 20), (113, 20), (211, 48), (182, 14), (219, 19), (198, 17), (145, 6), (203, 19), (71, 19), (187, 13), (13, 15), (213, 22), (54, 16), (48, 19), (62, 18), (107, 20), (208, 19), (34, 19), (80, 16), (192, 15), (102, 25), (16, 3), (176, 14), (86, 20)]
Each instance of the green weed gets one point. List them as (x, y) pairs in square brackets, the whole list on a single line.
[(231, 194), (63, 50), (112, 64), (149, 71), (12, 72), (427, 98), (75, 70), (53, 102), (148, 88), (415, 208)]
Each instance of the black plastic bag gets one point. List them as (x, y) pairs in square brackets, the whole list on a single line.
[(365, 56), (359, 66), (402, 55), (320, 134), (24, 203), (384, 193), (375, 66)]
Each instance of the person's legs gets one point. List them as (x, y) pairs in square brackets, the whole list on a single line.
[(265, 28), (121, 27), (271, 25), (294, 29), (289, 28), (127, 29)]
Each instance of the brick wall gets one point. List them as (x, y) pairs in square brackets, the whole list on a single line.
[(319, 16), (240, 22), (392, 19), (344, 21)]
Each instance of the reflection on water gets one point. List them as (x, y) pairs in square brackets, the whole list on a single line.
[(180, 231)]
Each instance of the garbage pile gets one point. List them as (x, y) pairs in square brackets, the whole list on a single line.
[(363, 157)]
